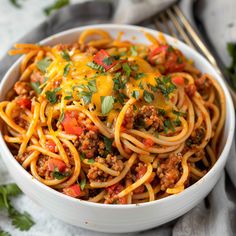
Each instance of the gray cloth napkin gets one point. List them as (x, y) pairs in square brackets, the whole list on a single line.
[(215, 215)]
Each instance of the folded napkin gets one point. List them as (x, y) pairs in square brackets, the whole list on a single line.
[(213, 216)]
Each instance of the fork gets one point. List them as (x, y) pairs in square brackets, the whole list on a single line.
[(174, 22)]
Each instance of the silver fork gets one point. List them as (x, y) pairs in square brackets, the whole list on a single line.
[(173, 21)]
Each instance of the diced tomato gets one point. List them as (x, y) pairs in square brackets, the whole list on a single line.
[(51, 146), (148, 142), (55, 163), (24, 103), (156, 51), (141, 172), (178, 80), (103, 59), (122, 129), (123, 200), (70, 124), (73, 191)]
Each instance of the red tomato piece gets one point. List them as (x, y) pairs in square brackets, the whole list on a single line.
[(24, 103), (55, 163), (103, 59), (141, 172), (51, 146), (178, 80), (73, 191), (156, 51), (70, 124), (148, 142)]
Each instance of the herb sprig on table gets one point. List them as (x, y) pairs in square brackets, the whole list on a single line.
[(21, 221), (231, 70)]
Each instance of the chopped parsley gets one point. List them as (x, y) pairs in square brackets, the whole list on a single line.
[(87, 95), (69, 96), (107, 104), (59, 175), (168, 125), (36, 87), (83, 184), (161, 112), (133, 50), (148, 97), (139, 76), (66, 70), (165, 85), (52, 95), (65, 55), (95, 66), (107, 61), (91, 161), (108, 144), (135, 94), (121, 98), (43, 64), (126, 69), (119, 82)]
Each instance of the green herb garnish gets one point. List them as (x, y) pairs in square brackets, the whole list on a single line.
[(83, 184), (133, 50), (107, 104), (95, 66), (66, 70), (165, 85), (36, 87), (148, 97), (126, 69), (52, 95), (43, 64), (91, 161), (135, 94), (22, 221), (107, 61), (55, 6), (108, 144), (65, 55)]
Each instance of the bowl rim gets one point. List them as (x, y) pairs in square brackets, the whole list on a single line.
[(210, 174)]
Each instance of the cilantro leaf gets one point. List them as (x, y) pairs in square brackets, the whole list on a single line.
[(107, 104), (15, 3), (65, 55), (59, 175), (55, 6), (168, 125), (22, 221), (148, 97), (44, 64), (4, 233), (36, 87), (121, 98), (135, 94)]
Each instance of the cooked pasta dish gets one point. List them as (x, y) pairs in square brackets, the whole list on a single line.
[(112, 121)]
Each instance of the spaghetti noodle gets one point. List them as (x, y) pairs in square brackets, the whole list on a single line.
[(111, 121)]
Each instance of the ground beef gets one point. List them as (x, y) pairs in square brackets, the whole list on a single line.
[(42, 168), (111, 195), (149, 115), (22, 88), (168, 171), (129, 118), (95, 174), (190, 89), (196, 137), (203, 83), (37, 76)]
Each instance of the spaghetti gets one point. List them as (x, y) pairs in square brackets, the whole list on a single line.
[(110, 121)]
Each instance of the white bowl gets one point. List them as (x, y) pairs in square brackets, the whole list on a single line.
[(119, 218)]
